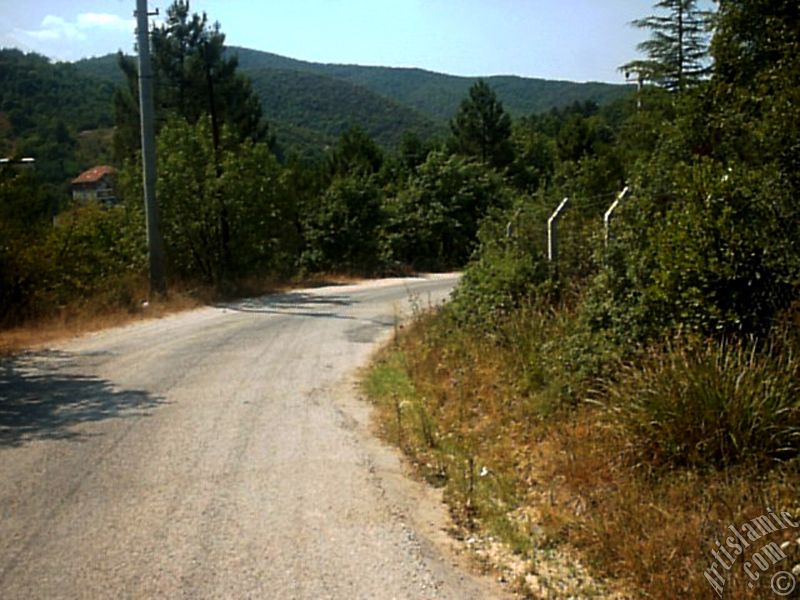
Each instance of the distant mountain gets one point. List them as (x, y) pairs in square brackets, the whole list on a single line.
[(308, 111), (438, 95), (328, 106), (309, 104), (104, 68), (36, 94)]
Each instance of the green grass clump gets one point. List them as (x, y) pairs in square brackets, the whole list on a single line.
[(720, 404)]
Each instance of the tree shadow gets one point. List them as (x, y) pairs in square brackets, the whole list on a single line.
[(41, 400), (304, 304), (298, 303)]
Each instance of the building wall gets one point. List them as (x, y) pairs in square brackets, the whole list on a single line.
[(100, 191)]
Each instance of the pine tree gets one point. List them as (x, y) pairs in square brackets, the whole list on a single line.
[(126, 111), (194, 76), (482, 128), (197, 76), (677, 50)]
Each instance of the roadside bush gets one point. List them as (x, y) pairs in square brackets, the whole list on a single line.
[(341, 227), (433, 222), (715, 253), (509, 267), (224, 212), (90, 251), (94, 251), (23, 224), (721, 252), (265, 237), (715, 404)]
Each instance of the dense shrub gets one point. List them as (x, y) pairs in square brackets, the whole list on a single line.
[(717, 404), (433, 222), (89, 250), (509, 267), (341, 227), (715, 253), (224, 211)]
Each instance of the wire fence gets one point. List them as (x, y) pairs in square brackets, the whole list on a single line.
[(578, 229)]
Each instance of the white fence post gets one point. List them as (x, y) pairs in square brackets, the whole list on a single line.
[(610, 212), (552, 232)]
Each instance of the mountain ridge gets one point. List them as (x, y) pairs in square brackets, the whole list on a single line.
[(439, 94), (310, 104)]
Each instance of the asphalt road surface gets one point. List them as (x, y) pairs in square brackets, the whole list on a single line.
[(218, 453)]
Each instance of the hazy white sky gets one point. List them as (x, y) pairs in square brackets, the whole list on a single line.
[(579, 40)]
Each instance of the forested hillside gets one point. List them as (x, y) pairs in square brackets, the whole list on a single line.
[(329, 107), (438, 95), (43, 108), (309, 104), (308, 111)]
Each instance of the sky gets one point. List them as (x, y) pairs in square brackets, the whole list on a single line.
[(576, 40)]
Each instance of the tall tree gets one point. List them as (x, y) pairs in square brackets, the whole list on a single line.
[(126, 111), (677, 50), (482, 128), (219, 227), (355, 153), (194, 76), (197, 76), (753, 37)]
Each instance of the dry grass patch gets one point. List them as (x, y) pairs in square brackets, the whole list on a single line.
[(569, 485), (93, 315), (655, 530)]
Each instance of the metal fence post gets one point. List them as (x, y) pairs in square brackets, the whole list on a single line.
[(610, 212), (552, 232)]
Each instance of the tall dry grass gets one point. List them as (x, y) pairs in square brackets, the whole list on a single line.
[(640, 470), (712, 404)]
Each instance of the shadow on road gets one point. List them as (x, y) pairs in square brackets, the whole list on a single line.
[(304, 304), (291, 303), (40, 399)]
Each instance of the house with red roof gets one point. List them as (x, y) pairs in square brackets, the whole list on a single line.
[(96, 184)]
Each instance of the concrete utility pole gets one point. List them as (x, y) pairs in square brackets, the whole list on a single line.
[(155, 247)]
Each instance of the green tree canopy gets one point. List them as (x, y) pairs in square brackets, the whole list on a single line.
[(677, 50), (754, 36), (193, 77), (355, 153), (482, 128), (221, 222), (341, 226), (434, 221)]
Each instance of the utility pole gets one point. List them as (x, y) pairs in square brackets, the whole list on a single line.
[(639, 85), (155, 248)]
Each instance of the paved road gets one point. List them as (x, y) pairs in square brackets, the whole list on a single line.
[(216, 454)]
